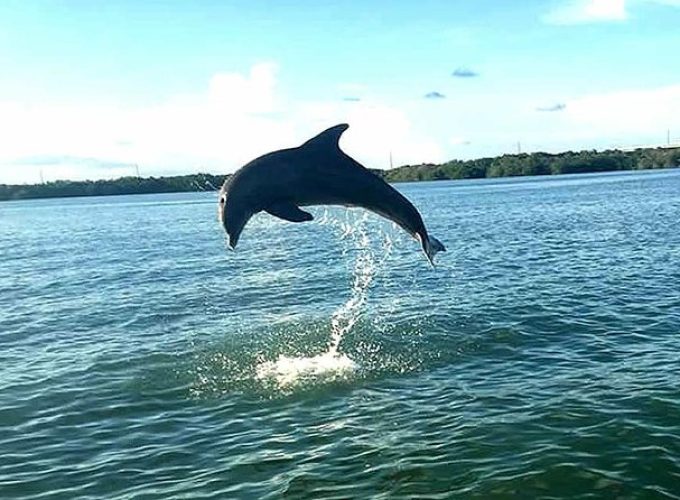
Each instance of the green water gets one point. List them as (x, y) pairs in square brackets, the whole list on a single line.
[(139, 358)]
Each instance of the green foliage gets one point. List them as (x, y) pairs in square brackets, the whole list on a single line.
[(124, 185), (539, 164), (502, 166)]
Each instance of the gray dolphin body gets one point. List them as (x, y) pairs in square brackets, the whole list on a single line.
[(316, 173)]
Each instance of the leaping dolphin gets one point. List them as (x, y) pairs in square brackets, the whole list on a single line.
[(316, 173)]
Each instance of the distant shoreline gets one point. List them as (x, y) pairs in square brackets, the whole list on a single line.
[(526, 164)]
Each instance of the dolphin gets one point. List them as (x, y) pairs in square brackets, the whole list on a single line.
[(316, 173)]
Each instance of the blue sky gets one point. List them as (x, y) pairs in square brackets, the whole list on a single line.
[(93, 89)]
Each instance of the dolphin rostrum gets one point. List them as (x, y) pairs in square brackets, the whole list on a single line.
[(316, 173)]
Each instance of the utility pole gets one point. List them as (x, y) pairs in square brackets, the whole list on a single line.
[(519, 147), (137, 169), (391, 163)]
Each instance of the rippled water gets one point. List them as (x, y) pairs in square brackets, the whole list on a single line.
[(139, 358)]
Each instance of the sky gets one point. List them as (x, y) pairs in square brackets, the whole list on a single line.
[(92, 90)]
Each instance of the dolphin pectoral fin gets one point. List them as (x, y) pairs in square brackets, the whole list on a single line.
[(288, 211)]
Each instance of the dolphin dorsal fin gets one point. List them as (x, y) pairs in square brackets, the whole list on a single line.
[(328, 139)]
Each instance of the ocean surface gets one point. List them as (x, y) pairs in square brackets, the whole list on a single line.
[(140, 358)]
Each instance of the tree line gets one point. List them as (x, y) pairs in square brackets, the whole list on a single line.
[(123, 185), (539, 164), (501, 166)]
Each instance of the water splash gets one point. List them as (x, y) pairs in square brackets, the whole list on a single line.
[(332, 365), (345, 317), (288, 371)]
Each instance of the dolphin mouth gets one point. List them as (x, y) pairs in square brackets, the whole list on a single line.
[(232, 241)]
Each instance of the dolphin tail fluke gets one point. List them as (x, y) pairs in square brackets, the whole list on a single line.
[(432, 246)]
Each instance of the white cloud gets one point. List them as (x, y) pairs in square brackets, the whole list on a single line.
[(234, 93), (240, 116), (629, 115), (236, 118), (670, 3), (458, 141), (621, 118), (587, 11), (352, 87), (376, 130), (592, 11), (215, 130)]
